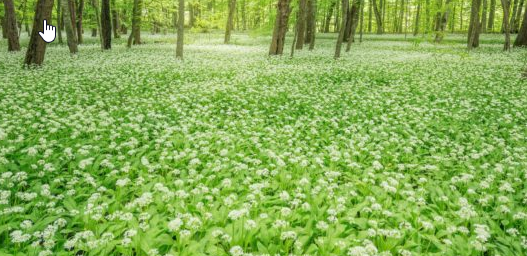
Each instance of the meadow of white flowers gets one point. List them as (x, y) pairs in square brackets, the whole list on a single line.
[(395, 149)]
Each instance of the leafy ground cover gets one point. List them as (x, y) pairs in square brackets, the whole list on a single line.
[(398, 148)]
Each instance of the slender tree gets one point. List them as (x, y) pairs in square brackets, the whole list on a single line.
[(443, 21), (135, 35), (492, 11), (4, 29), (517, 19), (340, 39), (13, 45), (483, 27), (230, 21), (506, 7), (106, 25), (473, 29), (311, 21), (36, 49), (59, 21), (378, 17), (115, 20), (301, 24), (280, 27), (417, 18), (80, 30), (521, 39), (180, 29), (68, 25)]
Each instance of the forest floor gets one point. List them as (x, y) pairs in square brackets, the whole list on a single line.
[(398, 148)]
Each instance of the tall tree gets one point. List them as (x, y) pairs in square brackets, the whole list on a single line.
[(115, 20), (513, 16), (280, 27), (340, 39), (492, 11), (59, 21), (517, 19), (329, 15), (80, 30), (95, 5), (354, 21), (301, 24), (378, 17), (443, 20), (36, 49), (13, 45), (68, 25), (180, 29), (521, 39), (417, 18), (473, 29), (483, 27), (135, 35), (506, 7), (106, 25), (230, 21), (311, 21)]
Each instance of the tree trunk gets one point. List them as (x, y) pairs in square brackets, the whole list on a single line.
[(378, 17), (340, 39), (354, 13), (516, 27), (68, 24), (401, 18), (106, 25), (490, 25), (59, 22), (94, 32), (311, 21), (473, 29), (80, 30), (521, 39), (513, 16), (301, 24), (180, 29), (328, 17), (135, 35), (230, 21), (115, 21), (505, 4), (244, 15), (370, 12), (13, 45), (417, 18), (73, 14), (482, 27), (36, 49), (361, 19), (95, 4), (280, 27)]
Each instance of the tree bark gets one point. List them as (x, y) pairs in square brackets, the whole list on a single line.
[(311, 21), (106, 25), (370, 12), (513, 16), (68, 24), (378, 17), (36, 49), (135, 35), (301, 24), (115, 21), (59, 22), (354, 20), (180, 29), (473, 30), (280, 27), (492, 10), (340, 39), (521, 39), (95, 4), (13, 45), (230, 21), (80, 30), (516, 27), (482, 27), (443, 21), (327, 23), (507, 44)]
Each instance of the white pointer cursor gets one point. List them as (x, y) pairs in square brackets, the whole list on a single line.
[(49, 33)]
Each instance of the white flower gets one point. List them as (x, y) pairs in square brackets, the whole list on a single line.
[(236, 251), (175, 224)]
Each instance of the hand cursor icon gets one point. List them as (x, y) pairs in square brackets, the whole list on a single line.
[(49, 33)]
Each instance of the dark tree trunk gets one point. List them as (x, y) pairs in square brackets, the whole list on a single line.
[(13, 45), (301, 24), (106, 25), (94, 32), (516, 27), (230, 21), (378, 17), (2, 24), (490, 25), (505, 4), (311, 21), (340, 39), (354, 21), (521, 39), (513, 16), (36, 49), (370, 16), (24, 16), (417, 18), (59, 21), (68, 24), (73, 15), (280, 27), (80, 30), (180, 29), (135, 35), (473, 30), (401, 17)]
